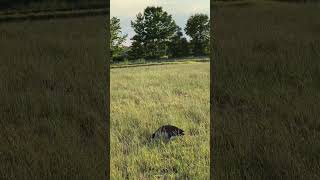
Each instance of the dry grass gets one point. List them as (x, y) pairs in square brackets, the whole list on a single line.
[(145, 98)]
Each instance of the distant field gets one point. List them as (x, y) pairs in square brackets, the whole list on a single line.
[(143, 99), (52, 89), (267, 123)]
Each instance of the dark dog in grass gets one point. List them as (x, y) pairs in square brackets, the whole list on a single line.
[(167, 132)]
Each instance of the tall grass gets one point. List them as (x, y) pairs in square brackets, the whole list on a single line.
[(145, 98), (52, 99), (266, 125)]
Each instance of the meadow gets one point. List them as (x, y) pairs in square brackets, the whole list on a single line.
[(147, 97), (266, 122), (52, 99), (266, 88)]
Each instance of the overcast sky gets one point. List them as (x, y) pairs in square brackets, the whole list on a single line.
[(181, 10)]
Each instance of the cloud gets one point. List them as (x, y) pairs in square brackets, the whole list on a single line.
[(181, 10)]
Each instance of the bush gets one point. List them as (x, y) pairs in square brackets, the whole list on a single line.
[(118, 58)]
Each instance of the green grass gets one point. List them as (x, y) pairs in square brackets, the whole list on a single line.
[(145, 98), (266, 124), (52, 89), (157, 63)]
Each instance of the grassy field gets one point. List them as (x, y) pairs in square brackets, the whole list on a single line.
[(267, 83), (52, 107), (266, 123), (47, 15), (145, 98)]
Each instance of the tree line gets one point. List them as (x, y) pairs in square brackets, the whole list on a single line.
[(157, 35)]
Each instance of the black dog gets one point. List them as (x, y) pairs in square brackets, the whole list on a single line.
[(167, 132)]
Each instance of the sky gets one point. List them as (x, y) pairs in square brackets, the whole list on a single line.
[(181, 10)]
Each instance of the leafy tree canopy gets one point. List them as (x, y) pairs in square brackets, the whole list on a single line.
[(154, 29), (178, 46), (117, 39), (198, 28)]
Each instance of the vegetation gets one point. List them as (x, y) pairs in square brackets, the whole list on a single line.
[(153, 31), (157, 36), (267, 71), (52, 107), (178, 45), (117, 39), (139, 63), (177, 94), (47, 15), (198, 28), (266, 123)]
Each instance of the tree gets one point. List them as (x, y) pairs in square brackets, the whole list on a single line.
[(198, 28), (117, 39), (136, 51), (178, 46), (154, 29)]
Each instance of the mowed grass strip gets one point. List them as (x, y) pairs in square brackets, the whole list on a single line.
[(123, 65), (145, 98)]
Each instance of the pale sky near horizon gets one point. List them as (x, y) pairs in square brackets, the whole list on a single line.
[(181, 10)]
